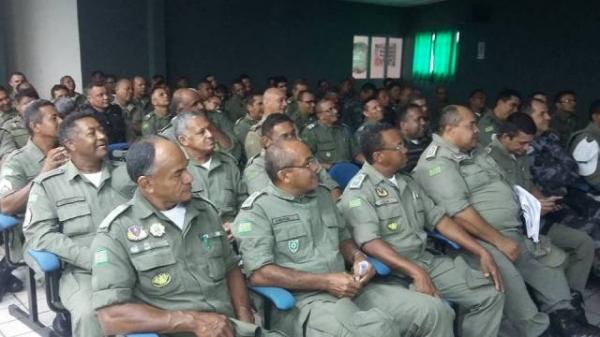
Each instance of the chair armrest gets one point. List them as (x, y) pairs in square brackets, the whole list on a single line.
[(444, 239), (281, 298), (7, 222), (380, 268), (142, 334), (47, 261)]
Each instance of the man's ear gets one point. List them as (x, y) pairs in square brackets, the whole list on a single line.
[(282, 176), (265, 142), (69, 145), (145, 184)]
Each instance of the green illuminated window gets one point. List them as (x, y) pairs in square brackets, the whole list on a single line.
[(435, 55)]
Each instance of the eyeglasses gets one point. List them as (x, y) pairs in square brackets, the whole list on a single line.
[(309, 102), (310, 164), (569, 101), (398, 147)]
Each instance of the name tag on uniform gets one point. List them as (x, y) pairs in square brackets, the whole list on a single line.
[(285, 218), (387, 201)]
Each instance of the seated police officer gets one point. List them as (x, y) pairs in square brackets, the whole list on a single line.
[(291, 235), (65, 207), (465, 182), (161, 260), (388, 213), (275, 127)]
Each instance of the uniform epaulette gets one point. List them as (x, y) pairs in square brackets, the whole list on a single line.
[(357, 181), (239, 120), (45, 175), (311, 126), (228, 156), (148, 116), (255, 127), (108, 220), (251, 199), (252, 159), (431, 152), (166, 127)]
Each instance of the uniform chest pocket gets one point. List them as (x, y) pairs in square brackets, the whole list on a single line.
[(157, 271), (476, 180), (292, 241), (212, 247), (333, 230), (75, 216)]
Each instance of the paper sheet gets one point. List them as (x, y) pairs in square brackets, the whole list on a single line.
[(532, 211)]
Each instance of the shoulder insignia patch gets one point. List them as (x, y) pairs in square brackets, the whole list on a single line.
[(311, 126), (51, 173), (435, 171), (105, 224), (357, 181), (250, 200), (431, 151), (489, 128), (148, 116)]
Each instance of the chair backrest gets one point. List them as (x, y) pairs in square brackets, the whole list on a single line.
[(342, 173), (118, 151)]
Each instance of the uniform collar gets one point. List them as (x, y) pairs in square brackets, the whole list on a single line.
[(143, 209), (71, 171), (377, 178), (454, 152), (214, 158), (281, 194), (35, 151), (497, 146)]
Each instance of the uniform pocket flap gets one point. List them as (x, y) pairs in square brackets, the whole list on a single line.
[(284, 233), (72, 210), (153, 259)]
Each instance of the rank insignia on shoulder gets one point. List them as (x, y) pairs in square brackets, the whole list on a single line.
[(250, 200), (311, 126), (381, 192), (357, 181), (489, 128), (136, 233), (431, 151), (161, 279), (157, 229)]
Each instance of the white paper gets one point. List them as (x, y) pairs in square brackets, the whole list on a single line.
[(532, 211)]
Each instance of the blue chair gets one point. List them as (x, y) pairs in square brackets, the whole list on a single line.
[(343, 172), (117, 151), (7, 223), (442, 241)]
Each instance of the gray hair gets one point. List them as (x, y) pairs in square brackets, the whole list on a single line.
[(450, 117), (181, 121), (278, 157)]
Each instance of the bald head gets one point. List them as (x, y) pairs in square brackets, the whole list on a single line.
[(274, 100), (291, 166), (186, 99), (459, 127), (124, 90)]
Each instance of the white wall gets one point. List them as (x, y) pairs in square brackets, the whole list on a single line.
[(42, 41)]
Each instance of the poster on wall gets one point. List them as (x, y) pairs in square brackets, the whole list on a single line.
[(360, 57), (378, 51), (394, 58)]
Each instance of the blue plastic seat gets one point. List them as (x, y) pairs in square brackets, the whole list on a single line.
[(7, 222), (436, 235), (343, 172), (48, 262), (281, 298), (117, 151)]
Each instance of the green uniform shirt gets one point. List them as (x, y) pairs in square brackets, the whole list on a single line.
[(20, 167), (140, 255), (301, 120), (515, 170), (488, 125), (4, 116), (376, 208), (300, 233), (252, 146), (143, 104), (242, 126), (457, 180), (133, 117), (154, 123), (7, 143), (235, 108), (65, 209), (564, 124), (17, 130), (255, 176), (220, 183), (330, 144), (361, 129), (292, 105)]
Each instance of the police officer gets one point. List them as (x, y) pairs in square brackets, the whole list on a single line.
[(304, 113), (509, 149), (329, 141), (216, 174), (388, 213), (254, 108), (507, 103), (160, 117), (6, 110), (299, 86), (411, 122), (470, 190), (292, 236), (68, 82), (274, 101), (161, 261), (132, 114), (15, 125), (584, 145), (564, 120), (108, 115), (372, 114), (235, 106), (140, 94), (276, 127), (66, 206)]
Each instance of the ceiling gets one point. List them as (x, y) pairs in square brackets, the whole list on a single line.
[(397, 3)]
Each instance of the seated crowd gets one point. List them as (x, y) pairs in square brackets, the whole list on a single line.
[(224, 188)]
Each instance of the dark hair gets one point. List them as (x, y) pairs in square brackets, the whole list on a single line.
[(140, 157), (92, 85), (249, 100), (27, 92), (68, 124), (57, 87), (515, 123), (273, 120), (32, 113), (3, 89), (302, 93), (371, 139), (300, 81), (65, 106), (449, 116), (594, 108), (16, 73), (527, 106), (277, 157), (506, 94), (476, 91), (368, 87), (559, 95), (243, 76), (403, 111)]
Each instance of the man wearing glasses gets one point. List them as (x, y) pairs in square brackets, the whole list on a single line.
[(304, 112), (291, 235), (564, 119)]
